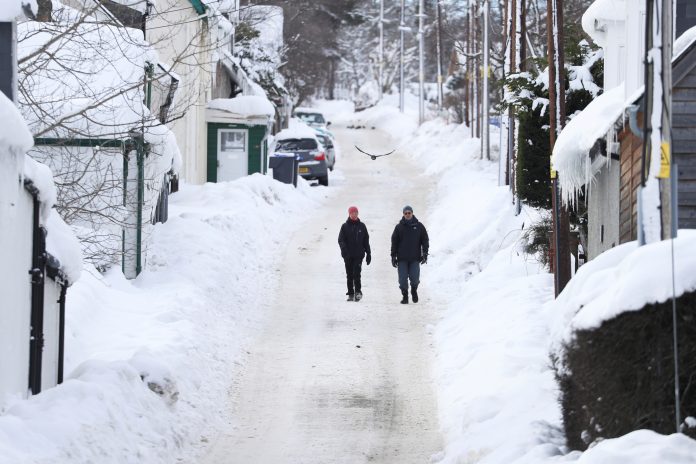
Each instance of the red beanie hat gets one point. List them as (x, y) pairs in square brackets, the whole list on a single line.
[(353, 209)]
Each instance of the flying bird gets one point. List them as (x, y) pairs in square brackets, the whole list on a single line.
[(374, 157)]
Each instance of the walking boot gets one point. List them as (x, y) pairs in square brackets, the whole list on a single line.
[(414, 294), (358, 295), (351, 297), (404, 293)]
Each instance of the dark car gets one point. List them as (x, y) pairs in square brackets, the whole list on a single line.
[(313, 163)]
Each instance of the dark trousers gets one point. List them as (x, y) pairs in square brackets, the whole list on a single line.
[(353, 268), (409, 270)]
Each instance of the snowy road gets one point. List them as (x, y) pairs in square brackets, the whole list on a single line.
[(330, 381)]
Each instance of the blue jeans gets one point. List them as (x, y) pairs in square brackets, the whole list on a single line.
[(408, 270)]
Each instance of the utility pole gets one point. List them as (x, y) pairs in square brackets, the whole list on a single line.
[(438, 27), (485, 142), (421, 59), (402, 27), (561, 226), (655, 216), (381, 47)]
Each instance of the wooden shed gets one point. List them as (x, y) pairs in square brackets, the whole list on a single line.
[(684, 133), (683, 150)]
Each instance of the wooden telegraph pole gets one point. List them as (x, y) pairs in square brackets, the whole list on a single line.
[(561, 227)]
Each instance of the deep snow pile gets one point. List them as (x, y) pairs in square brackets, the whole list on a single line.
[(496, 392), (180, 327)]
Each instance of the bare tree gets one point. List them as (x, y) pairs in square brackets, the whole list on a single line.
[(85, 84)]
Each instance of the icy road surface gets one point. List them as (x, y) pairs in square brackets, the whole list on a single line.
[(330, 381)]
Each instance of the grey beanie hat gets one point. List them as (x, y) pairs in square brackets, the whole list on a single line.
[(407, 208)]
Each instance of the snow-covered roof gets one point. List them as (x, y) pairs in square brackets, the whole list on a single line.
[(571, 151), (626, 278), (683, 43), (12, 9), (297, 130), (88, 84), (599, 14), (15, 136), (245, 106)]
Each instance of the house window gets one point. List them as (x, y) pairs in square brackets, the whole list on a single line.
[(233, 141)]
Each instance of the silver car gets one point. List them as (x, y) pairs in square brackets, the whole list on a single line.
[(313, 163), (328, 145)]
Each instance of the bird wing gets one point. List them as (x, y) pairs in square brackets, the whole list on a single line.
[(371, 155)]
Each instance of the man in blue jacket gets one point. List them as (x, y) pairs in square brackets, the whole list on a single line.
[(409, 249), (355, 244)]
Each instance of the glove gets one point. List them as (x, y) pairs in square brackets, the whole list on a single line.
[(394, 261), (424, 259), (344, 254), (368, 259)]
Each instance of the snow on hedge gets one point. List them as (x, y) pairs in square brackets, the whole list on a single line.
[(246, 106), (571, 152), (626, 278)]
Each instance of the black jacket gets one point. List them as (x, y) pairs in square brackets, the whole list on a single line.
[(409, 242), (354, 239)]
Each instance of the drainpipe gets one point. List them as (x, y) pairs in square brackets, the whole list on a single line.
[(61, 333), (141, 199), (37, 272)]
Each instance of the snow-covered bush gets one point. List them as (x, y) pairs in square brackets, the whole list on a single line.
[(620, 377)]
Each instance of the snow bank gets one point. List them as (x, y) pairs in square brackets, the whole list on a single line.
[(497, 395), (626, 278), (246, 106), (571, 152), (333, 108), (179, 327), (642, 447), (383, 116)]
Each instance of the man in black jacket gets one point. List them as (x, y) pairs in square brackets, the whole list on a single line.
[(409, 249), (355, 244)]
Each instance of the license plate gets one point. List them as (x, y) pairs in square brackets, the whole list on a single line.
[(303, 170)]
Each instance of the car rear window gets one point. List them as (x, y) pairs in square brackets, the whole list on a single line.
[(311, 118), (297, 144)]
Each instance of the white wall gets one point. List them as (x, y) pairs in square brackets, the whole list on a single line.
[(183, 41), (16, 217), (603, 210), (635, 46), (51, 331)]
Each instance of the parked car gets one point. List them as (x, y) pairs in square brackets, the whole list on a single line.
[(330, 150), (304, 144), (311, 117)]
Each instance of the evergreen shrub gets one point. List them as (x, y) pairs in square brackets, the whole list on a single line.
[(620, 377)]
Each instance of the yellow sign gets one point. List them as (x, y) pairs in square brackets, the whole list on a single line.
[(553, 171), (664, 161)]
